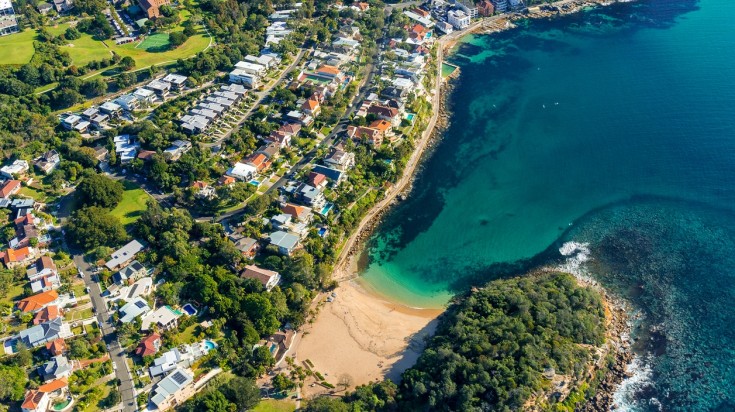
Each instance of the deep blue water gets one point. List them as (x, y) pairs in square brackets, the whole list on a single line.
[(614, 127)]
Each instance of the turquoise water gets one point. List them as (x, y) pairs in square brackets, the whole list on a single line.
[(615, 127)]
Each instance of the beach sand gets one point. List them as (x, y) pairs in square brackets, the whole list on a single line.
[(364, 336)]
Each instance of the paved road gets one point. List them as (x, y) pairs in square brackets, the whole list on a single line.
[(117, 354)]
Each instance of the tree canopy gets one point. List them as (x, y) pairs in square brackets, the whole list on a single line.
[(99, 190)]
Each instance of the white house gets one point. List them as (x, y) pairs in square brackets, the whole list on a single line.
[(246, 79), (459, 19), (18, 167), (242, 171), (133, 309), (251, 68), (165, 393), (124, 255), (268, 278)]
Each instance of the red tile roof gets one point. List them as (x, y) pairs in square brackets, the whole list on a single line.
[(147, 346), (293, 210), (199, 184), (381, 125), (16, 255), (37, 302), (56, 346), (33, 399), (310, 105), (54, 385), (315, 179), (328, 69), (9, 188), (46, 314)]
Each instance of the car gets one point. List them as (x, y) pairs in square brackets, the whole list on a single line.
[(114, 366)]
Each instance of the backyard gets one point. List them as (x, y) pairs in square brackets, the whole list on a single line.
[(132, 204)]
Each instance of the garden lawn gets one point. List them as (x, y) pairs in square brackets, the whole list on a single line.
[(84, 49), (144, 58), (132, 204), (17, 48), (272, 405)]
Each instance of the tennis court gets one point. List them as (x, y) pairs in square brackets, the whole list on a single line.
[(154, 42)]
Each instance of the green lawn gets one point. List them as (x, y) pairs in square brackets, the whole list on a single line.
[(272, 405), (144, 58), (14, 292), (78, 314), (132, 204), (17, 48), (34, 193), (82, 50), (154, 42)]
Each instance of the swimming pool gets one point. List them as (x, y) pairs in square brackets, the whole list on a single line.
[(326, 209), (322, 231), (209, 345), (189, 309), (410, 117), (254, 182)]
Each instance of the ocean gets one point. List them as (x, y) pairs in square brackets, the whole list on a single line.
[(615, 128)]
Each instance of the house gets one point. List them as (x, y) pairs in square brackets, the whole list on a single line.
[(152, 8), (167, 392), (248, 246), (146, 155), (18, 257), (501, 6), (135, 270), (177, 149), (55, 388), (56, 347), (177, 81), (35, 401), (340, 159), (44, 8), (311, 107), (458, 19), (128, 102), (10, 188), (284, 241), (90, 113), (17, 168), (133, 309), (281, 221), (100, 153), (279, 137), (226, 181), (418, 16), (45, 332), (145, 96), (150, 345), (164, 317), (317, 180), (242, 171), (47, 162), (303, 118), (259, 161), (37, 302), (234, 88), (485, 8), (270, 150), (467, 6), (63, 6), (159, 87), (368, 134), (267, 278), (309, 195), (251, 68), (300, 213), (56, 368), (264, 60), (182, 356), (47, 314), (124, 255), (43, 275), (444, 27), (390, 114), (203, 190), (70, 121), (246, 79), (111, 108)]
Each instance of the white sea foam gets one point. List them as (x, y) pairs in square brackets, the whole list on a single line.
[(625, 398), (576, 255)]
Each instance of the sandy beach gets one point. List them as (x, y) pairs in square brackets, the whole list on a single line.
[(364, 336)]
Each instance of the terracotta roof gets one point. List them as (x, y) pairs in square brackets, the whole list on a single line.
[(37, 302), (147, 346), (45, 262), (33, 399), (255, 272), (54, 385), (199, 184), (310, 104), (226, 180), (257, 159), (316, 179), (328, 69), (46, 314), (383, 110), (17, 255), (419, 29), (293, 210), (381, 125), (25, 220), (56, 346), (291, 128), (9, 188)]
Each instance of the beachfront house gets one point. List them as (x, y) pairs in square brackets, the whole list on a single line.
[(285, 242), (268, 278)]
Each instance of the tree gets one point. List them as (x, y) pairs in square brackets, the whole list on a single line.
[(79, 349), (326, 404), (12, 383), (99, 190), (124, 80), (23, 356), (94, 226), (345, 381), (282, 383), (126, 63), (242, 392), (95, 87), (189, 30), (112, 399), (176, 39)]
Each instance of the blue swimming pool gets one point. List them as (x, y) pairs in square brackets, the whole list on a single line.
[(322, 231), (209, 345), (410, 117), (326, 209), (189, 309), (254, 182)]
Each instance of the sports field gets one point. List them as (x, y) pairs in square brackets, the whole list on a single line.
[(154, 43)]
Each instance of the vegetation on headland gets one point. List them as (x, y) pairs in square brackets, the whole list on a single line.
[(496, 349)]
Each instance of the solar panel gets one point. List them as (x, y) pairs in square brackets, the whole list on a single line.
[(179, 378), (140, 304)]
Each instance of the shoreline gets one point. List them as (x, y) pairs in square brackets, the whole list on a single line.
[(369, 336)]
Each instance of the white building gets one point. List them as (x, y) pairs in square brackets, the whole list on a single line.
[(165, 394), (459, 19), (251, 68), (246, 79), (242, 171), (133, 309), (18, 167), (124, 255)]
